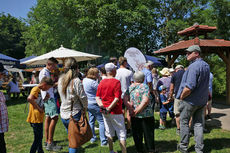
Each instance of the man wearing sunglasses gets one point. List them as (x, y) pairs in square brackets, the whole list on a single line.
[(193, 93)]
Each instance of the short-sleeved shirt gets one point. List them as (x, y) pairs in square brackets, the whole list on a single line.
[(108, 89), (176, 80), (46, 73), (4, 121), (148, 76), (136, 92), (163, 108), (34, 116), (90, 88), (125, 76), (196, 78), (75, 92), (210, 83), (155, 81)]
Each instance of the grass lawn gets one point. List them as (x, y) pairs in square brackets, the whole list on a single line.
[(20, 136)]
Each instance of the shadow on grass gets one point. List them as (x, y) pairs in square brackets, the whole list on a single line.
[(213, 144), (18, 101), (171, 146)]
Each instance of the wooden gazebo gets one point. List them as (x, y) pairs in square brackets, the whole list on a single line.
[(218, 46)]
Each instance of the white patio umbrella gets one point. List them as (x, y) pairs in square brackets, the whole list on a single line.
[(61, 54)]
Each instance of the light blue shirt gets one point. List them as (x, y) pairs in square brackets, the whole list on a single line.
[(90, 88), (148, 76), (196, 78), (210, 83)]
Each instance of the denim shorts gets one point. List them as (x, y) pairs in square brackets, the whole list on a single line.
[(163, 116), (50, 108)]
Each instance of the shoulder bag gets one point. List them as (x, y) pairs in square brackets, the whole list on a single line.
[(79, 132)]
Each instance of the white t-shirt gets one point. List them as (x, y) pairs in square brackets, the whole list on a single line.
[(125, 76), (46, 73)]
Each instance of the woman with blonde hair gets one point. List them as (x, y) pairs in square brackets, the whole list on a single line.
[(70, 89), (90, 85)]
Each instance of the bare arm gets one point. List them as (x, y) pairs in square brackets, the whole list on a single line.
[(112, 105), (144, 103), (186, 92), (31, 99), (171, 91), (150, 87), (99, 102)]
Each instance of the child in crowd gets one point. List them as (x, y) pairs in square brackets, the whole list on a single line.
[(36, 113), (13, 88), (163, 107)]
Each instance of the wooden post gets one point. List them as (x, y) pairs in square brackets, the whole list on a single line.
[(172, 60), (226, 59), (228, 78)]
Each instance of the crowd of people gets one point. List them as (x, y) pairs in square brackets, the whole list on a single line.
[(122, 101)]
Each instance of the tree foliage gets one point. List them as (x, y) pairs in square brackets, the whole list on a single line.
[(11, 42), (109, 27), (106, 27)]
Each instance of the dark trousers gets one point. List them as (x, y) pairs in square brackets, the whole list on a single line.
[(140, 127), (38, 135), (2, 143)]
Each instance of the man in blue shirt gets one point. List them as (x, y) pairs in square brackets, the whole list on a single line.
[(174, 87), (193, 93), (149, 79)]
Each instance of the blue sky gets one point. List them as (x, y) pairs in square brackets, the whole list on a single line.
[(16, 8)]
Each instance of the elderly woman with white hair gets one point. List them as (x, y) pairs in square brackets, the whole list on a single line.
[(137, 99)]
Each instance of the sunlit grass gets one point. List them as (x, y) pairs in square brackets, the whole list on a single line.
[(20, 136)]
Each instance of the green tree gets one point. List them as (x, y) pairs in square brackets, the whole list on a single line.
[(11, 42), (102, 27)]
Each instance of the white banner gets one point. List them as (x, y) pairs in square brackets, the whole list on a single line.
[(135, 58)]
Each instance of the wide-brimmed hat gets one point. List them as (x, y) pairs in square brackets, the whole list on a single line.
[(165, 71), (179, 66), (171, 70)]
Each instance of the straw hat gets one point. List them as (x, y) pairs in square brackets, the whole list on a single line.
[(165, 71)]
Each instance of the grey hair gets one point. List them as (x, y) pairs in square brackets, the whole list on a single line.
[(139, 77)]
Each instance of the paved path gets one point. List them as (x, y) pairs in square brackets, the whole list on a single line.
[(220, 116)]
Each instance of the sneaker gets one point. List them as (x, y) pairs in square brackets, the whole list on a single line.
[(181, 150), (161, 127), (178, 131), (93, 140), (53, 147), (45, 145), (209, 117), (104, 145)]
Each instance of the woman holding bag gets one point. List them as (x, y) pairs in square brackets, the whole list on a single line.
[(71, 91)]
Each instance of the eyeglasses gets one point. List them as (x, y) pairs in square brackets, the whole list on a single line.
[(188, 53)]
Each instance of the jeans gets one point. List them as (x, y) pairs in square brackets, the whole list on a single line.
[(66, 124), (38, 135), (140, 127), (2, 143), (94, 113), (186, 112)]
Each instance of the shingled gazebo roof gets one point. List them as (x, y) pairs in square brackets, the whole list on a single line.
[(205, 44)]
